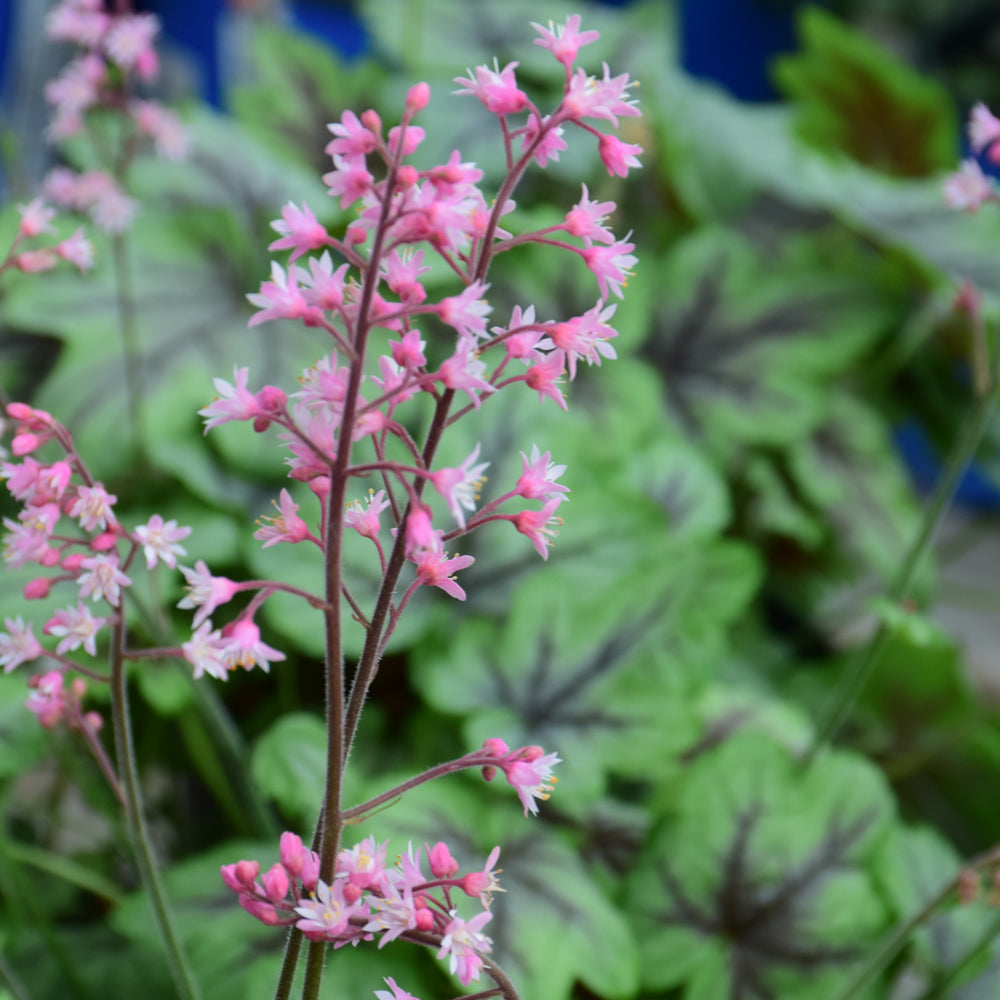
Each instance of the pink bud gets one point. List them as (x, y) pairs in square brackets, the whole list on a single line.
[(474, 883), (443, 865), (418, 97), (310, 869), (261, 424), (530, 753), (407, 176), (271, 399), (496, 747), (276, 883), (36, 589), (291, 853), (371, 121), (247, 872), (264, 912), (94, 721), (78, 687), (423, 919), (489, 773), (228, 873), (49, 558), (355, 235), (24, 444), (104, 541), (352, 892), (73, 561), (320, 485), (20, 411)]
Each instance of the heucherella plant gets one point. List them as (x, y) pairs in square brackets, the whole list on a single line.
[(362, 433)]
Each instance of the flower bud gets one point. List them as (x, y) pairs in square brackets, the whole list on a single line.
[(443, 865), (292, 853), (36, 589), (496, 747), (276, 883), (418, 97), (371, 121), (247, 872)]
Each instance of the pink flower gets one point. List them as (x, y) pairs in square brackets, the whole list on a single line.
[(463, 370), (540, 525), (353, 139), (77, 627), (484, 883), (205, 592), (611, 265), (234, 402), (584, 337), (435, 569), (394, 992), (36, 218), (93, 507), (281, 298), (463, 944), (327, 914), (408, 352), (18, 644), (205, 652), (163, 127), (984, 129), (364, 520), (543, 376), (530, 775), (77, 250), (585, 219), (47, 700), (301, 231), (460, 486), (393, 913), (102, 579), (245, 649), (551, 143), (323, 287), (968, 188), (287, 526), (159, 541), (402, 274), (466, 312), (363, 864), (539, 475), (618, 156), (607, 98), (496, 88), (349, 179), (129, 43), (565, 40)]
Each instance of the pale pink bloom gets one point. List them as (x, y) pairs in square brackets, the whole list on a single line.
[(584, 337), (408, 352), (611, 265), (159, 541), (281, 298), (286, 526), (102, 579), (234, 402), (204, 651), (327, 914), (409, 873), (47, 699), (412, 136), (460, 486), (163, 127), (322, 286), (28, 541), (540, 525), (496, 88), (77, 250), (364, 520), (245, 649), (301, 231), (81, 23), (531, 778), (114, 210), (205, 592), (435, 569), (463, 370), (318, 428), (392, 913), (402, 274), (394, 992), (23, 478), (76, 88), (454, 177), (36, 217), (363, 864), (353, 139), (77, 627), (349, 179), (618, 156), (552, 142), (969, 188), (93, 507), (36, 261), (484, 883), (60, 185), (586, 219), (539, 475), (544, 377), (464, 945), (18, 644), (564, 40), (984, 128), (324, 386), (129, 43), (521, 345), (588, 97), (466, 312)]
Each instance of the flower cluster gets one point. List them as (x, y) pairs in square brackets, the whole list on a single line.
[(115, 53), (369, 898), (969, 188)]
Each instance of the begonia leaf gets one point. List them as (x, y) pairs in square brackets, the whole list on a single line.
[(763, 870)]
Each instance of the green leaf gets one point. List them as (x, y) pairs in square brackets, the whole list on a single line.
[(289, 764), (761, 871), (852, 96)]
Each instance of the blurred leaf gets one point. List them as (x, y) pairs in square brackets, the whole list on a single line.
[(851, 95), (764, 870), (289, 764)]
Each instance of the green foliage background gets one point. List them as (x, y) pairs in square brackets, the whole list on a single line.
[(737, 500)]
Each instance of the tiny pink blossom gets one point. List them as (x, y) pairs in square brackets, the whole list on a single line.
[(545, 375), (618, 156), (77, 250), (77, 627), (353, 138), (466, 312), (102, 579), (18, 644), (130, 40), (286, 526), (611, 265), (93, 507), (365, 519), (350, 179), (984, 129), (540, 525), (539, 475), (531, 778), (408, 352), (245, 649), (364, 864), (588, 97), (234, 402), (205, 652), (159, 541), (565, 40), (435, 569), (36, 218), (394, 992), (301, 231), (549, 145), (47, 699), (326, 914), (464, 945), (496, 88), (463, 370), (460, 486), (205, 592), (968, 188), (586, 219), (484, 883), (281, 298)]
